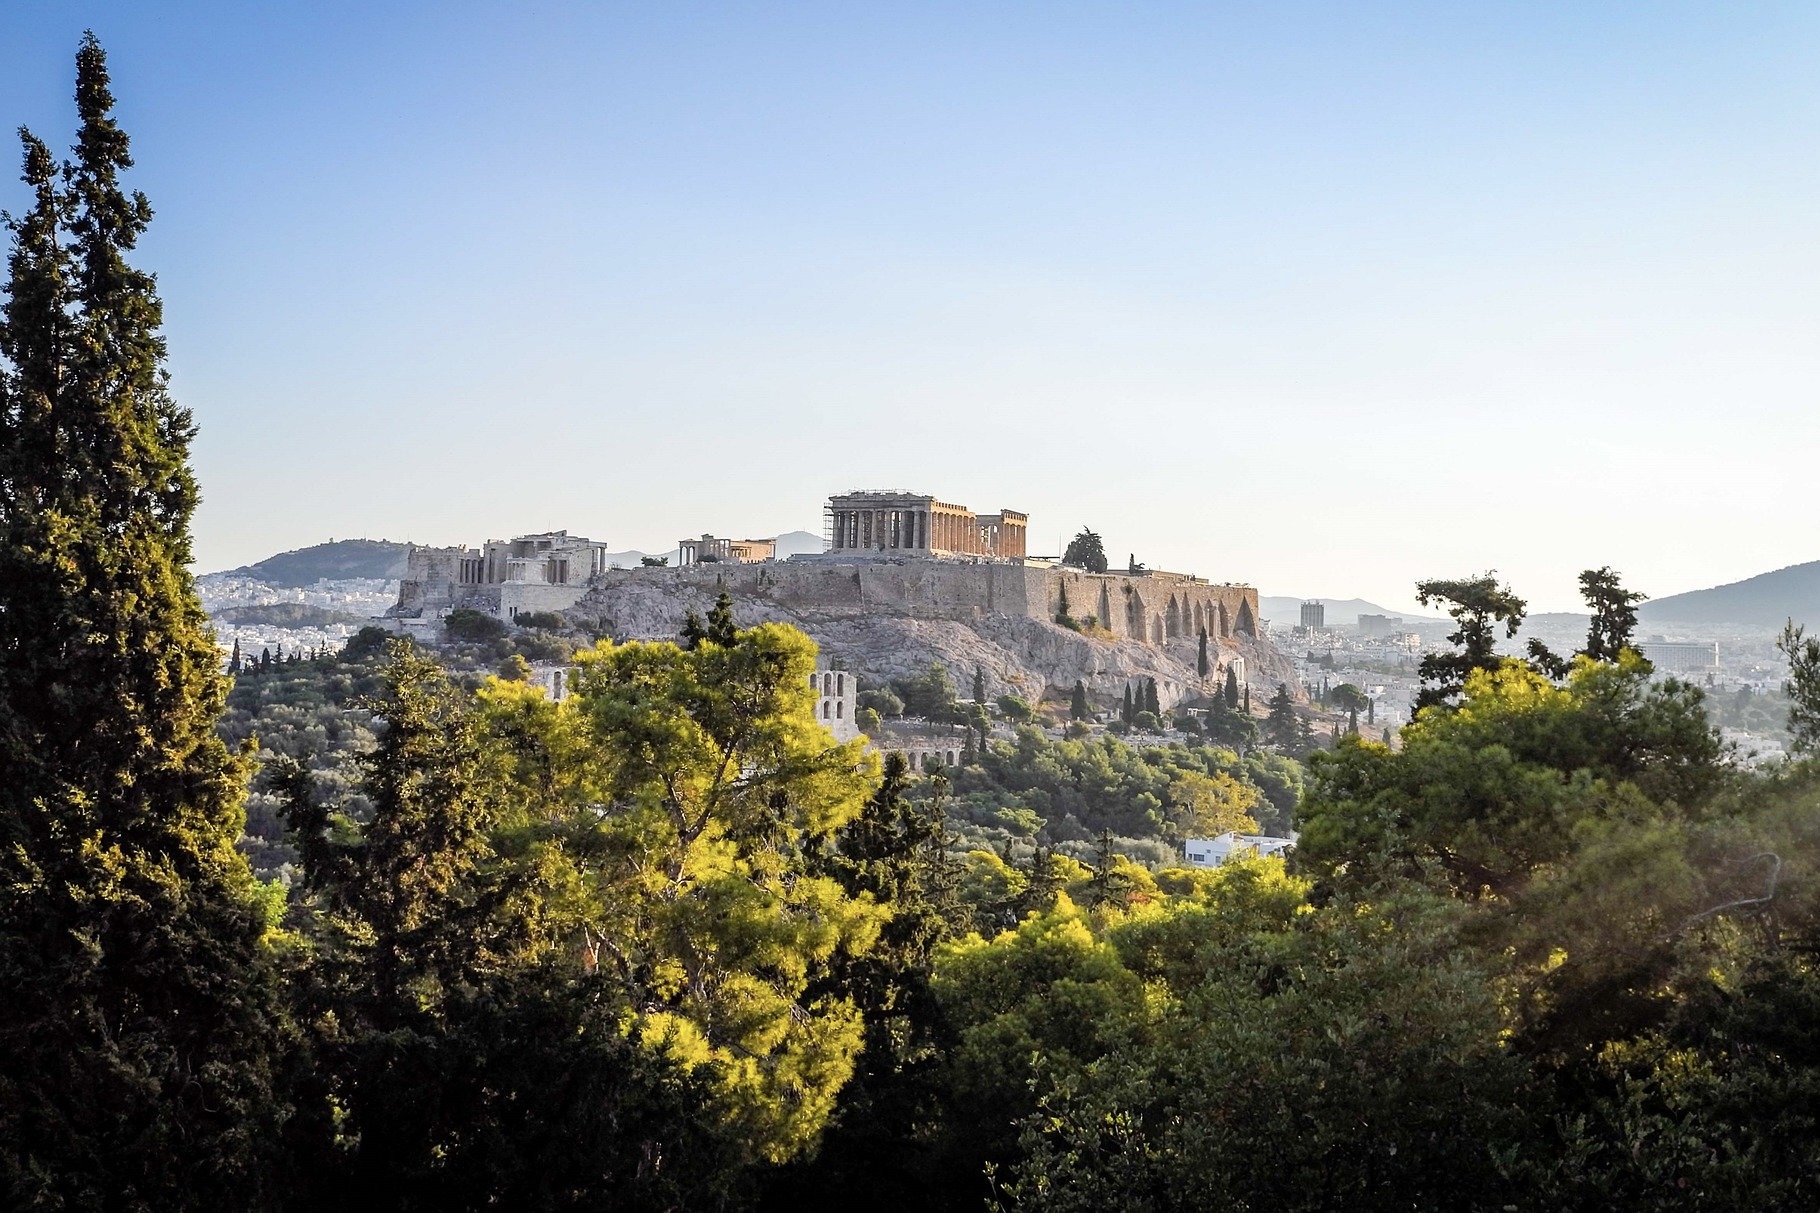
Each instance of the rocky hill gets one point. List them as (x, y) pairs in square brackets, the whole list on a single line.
[(1017, 654), (341, 560)]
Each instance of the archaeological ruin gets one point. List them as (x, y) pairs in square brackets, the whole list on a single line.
[(901, 573), (913, 523)]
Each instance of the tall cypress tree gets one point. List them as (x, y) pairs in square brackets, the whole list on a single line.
[(136, 1026), (1201, 664)]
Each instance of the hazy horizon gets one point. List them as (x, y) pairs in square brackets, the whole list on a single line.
[(1314, 297)]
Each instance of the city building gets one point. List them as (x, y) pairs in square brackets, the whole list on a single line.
[(709, 550), (1314, 615), (1380, 626), (917, 524), (1681, 657)]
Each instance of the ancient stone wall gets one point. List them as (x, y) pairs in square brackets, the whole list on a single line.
[(1154, 608)]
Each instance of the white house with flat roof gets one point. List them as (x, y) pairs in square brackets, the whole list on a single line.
[(1213, 852)]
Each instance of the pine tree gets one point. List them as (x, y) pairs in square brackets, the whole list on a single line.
[(1201, 663), (1077, 705), (137, 1025), (1283, 727), (720, 622)]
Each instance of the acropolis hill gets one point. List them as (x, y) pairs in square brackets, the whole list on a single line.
[(906, 580)]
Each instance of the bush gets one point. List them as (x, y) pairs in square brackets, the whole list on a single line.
[(367, 642), (1147, 722), (1016, 709), (549, 621), (881, 703), (474, 627)]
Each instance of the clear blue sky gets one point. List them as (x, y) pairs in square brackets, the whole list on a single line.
[(1321, 297)]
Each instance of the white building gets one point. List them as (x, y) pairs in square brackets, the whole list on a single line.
[(1213, 852)]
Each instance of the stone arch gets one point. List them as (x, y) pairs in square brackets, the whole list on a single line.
[(1200, 620), (1156, 630), (1105, 615), (1225, 621), (1172, 619), (1134, 614)]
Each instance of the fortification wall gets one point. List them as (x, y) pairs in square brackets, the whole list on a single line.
[(1152, 608)]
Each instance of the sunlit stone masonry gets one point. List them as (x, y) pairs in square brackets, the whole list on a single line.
[(911, 523)]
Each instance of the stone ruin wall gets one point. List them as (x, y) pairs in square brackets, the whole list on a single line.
[(1153, 608)]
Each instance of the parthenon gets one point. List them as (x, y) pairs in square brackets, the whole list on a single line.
[(915, 523)]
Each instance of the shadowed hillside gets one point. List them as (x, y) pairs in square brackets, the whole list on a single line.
[(1764, 600)]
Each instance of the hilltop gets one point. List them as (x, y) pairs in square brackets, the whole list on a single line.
[(1765, 600), (337, 560)]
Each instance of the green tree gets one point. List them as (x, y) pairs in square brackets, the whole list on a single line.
[(1201, 663), (1078, 708), (721, 629), (137, 1032), (1282, 728), (1085, 551), (1488, 794), (472, 627), (1128, 710), (1351, 700), (653, 562), (979, 686), (1478, 606), (1232, 687), (1150, 700), (1802, 687), (1614, 613)]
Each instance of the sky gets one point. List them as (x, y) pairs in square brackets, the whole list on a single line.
[(1324, 298)]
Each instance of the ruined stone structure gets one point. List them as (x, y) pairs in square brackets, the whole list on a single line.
[(913, 524), (709, 550), (504, 577), (1152, 607), (836, 702)]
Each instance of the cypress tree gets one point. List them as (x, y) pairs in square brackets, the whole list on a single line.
[(1232, 688), (1201, 663), (1077, 706), (1151, 704), (137, 1023), (979, 686), (1125, 712), (234, 661)]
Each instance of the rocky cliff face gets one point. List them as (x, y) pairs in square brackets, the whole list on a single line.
[(1019, 655)]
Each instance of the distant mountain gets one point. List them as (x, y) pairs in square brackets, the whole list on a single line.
[(338, 561), (798, 543), (1765, 600), (1339, 611)]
